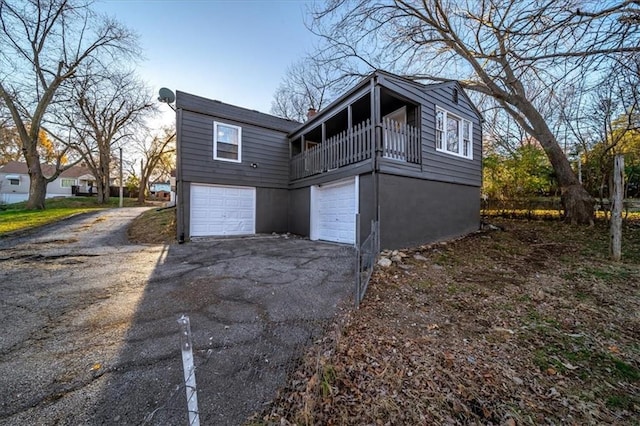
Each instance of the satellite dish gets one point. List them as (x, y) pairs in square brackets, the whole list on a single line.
[(166, 95)]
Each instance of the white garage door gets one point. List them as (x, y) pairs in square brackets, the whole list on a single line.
[(333, 211), (222, 210)]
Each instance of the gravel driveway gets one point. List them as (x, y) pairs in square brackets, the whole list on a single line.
[(89, 331)]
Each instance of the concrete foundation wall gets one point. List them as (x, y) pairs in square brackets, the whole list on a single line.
[(299, 205), (366, 204), (272, 210), (412, 211), (416, 211)]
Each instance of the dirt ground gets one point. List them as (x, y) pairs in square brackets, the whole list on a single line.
[(532, 324)]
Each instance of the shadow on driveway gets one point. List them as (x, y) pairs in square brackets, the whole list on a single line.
[(254, 304)]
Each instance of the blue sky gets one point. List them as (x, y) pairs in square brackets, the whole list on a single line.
[(233, 51)]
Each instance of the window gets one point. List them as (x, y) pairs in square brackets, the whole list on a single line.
[(67, 183), (439, 129), (14, 181), (453, 134), (227, 142), (466, 139)]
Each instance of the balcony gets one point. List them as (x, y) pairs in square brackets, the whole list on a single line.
[(400, 142)]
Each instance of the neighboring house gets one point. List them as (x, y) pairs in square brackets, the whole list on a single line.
[(160, 186), (14, 181), (161, 191), (390, 149)]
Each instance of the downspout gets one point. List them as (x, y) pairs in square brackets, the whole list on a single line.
[(179, 182), (377, 140)]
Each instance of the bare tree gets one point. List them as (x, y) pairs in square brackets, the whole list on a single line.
[(158, 158), (518, 52), (602, 120), (107, 111), (43, 43), (307, 84)]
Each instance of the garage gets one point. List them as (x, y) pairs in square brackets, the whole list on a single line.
[(218, 210), (333, 211)]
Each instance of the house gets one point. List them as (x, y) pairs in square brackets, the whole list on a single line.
[(14, 181), (161, 191), (160, 186), (392, 150)]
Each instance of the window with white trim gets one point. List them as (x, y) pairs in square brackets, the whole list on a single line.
[(14, 181), (227, 142), (454, 135), (67, 183)]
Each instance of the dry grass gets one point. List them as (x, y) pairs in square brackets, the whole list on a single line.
[(154, 227), (531, 325)]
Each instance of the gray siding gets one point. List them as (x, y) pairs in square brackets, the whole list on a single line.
[(418, 211), (272, 210), (268, 149), (437, 165), (299, 204), (264, 143), (336, 174)]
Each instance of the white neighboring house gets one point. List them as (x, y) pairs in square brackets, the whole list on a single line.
[(14, 182)]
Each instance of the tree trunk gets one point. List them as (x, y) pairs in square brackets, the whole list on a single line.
[(144, 181), (100, 190), (37, 190), (37, 182), (578, 204), (103, 179), (142, 191), (576, 201)]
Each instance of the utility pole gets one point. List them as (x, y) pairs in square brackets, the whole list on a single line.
[(142, 188), (121, 190)]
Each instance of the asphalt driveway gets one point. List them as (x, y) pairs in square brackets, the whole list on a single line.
[(89, 331)]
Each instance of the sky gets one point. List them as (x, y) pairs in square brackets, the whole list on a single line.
[(235, 51)]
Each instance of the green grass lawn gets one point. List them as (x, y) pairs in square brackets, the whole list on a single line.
[(14, 217)]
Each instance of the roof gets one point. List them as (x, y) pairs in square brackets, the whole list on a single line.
[(220, 109), (382, 75), (19, 167)]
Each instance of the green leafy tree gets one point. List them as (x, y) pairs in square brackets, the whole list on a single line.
[(519, 174), (132, 183)]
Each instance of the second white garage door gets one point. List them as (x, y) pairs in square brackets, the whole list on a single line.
[(333, 211), (222, 210)]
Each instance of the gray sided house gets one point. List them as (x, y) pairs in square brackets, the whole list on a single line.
[(390, 149)]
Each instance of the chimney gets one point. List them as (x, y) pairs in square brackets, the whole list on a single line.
[(311, 112)]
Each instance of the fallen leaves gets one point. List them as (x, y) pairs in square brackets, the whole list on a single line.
[(470, 337)]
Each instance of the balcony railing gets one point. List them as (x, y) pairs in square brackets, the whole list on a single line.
[(400, 142)]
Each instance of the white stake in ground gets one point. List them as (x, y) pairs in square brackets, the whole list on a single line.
[(189, 371)]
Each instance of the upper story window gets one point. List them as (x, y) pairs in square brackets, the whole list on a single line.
[(14, 181), (453, 134), (67, 183), (227, 142)]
